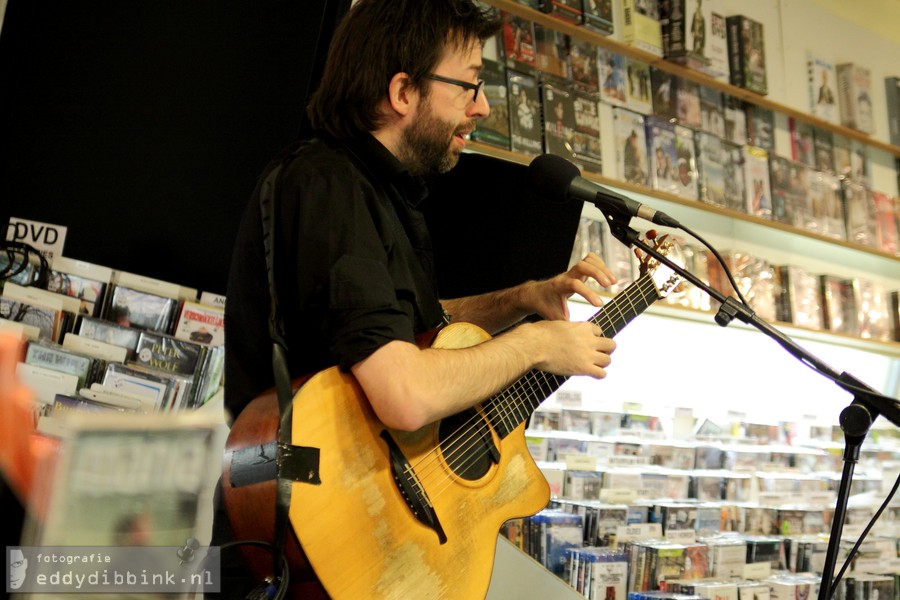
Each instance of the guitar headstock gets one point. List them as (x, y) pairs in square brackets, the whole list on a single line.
[(664, 277)]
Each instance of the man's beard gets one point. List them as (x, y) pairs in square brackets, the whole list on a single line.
[(426, 145)]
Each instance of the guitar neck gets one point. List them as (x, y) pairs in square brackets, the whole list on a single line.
[(513, 406)]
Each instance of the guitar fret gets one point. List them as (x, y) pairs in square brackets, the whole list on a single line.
[(509, 408)]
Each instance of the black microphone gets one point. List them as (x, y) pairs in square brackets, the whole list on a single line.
[(558, 179)]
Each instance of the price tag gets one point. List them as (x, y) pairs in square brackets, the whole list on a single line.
[(760, 570), (581, 462), (618, 496), (681, 536), (640, 531), (775, 498), (570, 398), (890, 565), (820, 498), (623, 460), (867, 565)]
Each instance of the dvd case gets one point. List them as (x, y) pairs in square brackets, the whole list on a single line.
[(583, 67), (838, 304), (639, 98), (712, 111), (494, 129), (663, 155), (822, 80), (524, 113), (558, 105), (859, 214), (685, 163), (631, 146), (613, 77), (855, 97), (586, 135), (756, 182)]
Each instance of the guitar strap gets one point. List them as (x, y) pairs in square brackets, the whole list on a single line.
[(293, 463)]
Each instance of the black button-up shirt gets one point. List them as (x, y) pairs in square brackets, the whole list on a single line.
[(353, 265)]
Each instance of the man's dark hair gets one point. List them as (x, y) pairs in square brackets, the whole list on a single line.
[(380, 38)]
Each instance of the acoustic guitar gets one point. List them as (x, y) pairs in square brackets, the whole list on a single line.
[(400, 515)]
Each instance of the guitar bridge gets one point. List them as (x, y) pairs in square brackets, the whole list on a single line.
[(411, 489)]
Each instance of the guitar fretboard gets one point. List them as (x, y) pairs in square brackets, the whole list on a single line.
[(509, 408)]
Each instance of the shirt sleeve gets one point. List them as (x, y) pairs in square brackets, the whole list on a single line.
[(346, 263)]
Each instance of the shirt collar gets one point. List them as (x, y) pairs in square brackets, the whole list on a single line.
[(388, 168)]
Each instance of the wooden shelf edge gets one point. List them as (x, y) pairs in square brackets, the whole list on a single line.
[(482, 148), (597, 39)]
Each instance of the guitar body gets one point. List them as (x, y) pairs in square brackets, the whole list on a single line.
[(402, 515), (357, 529)]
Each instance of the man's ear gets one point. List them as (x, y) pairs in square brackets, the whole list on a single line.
[(402, 95)]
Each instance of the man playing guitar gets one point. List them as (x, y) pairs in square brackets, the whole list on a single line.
[(353, 263)]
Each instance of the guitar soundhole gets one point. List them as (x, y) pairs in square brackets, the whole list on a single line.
[(467, 446)]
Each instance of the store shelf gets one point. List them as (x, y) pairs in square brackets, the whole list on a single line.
[(725, 224), (605, 42)]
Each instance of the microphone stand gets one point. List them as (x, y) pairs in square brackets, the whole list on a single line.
[(855, 420)]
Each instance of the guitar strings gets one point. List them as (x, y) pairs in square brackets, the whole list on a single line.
[(463, 443), (457, 440), (503, 405)]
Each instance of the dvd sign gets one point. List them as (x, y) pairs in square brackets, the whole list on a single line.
[(47, 238)]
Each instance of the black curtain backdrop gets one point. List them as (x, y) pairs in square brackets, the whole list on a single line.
[(142, 125)]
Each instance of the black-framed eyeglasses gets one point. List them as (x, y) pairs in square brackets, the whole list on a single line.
[(475, 87)]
